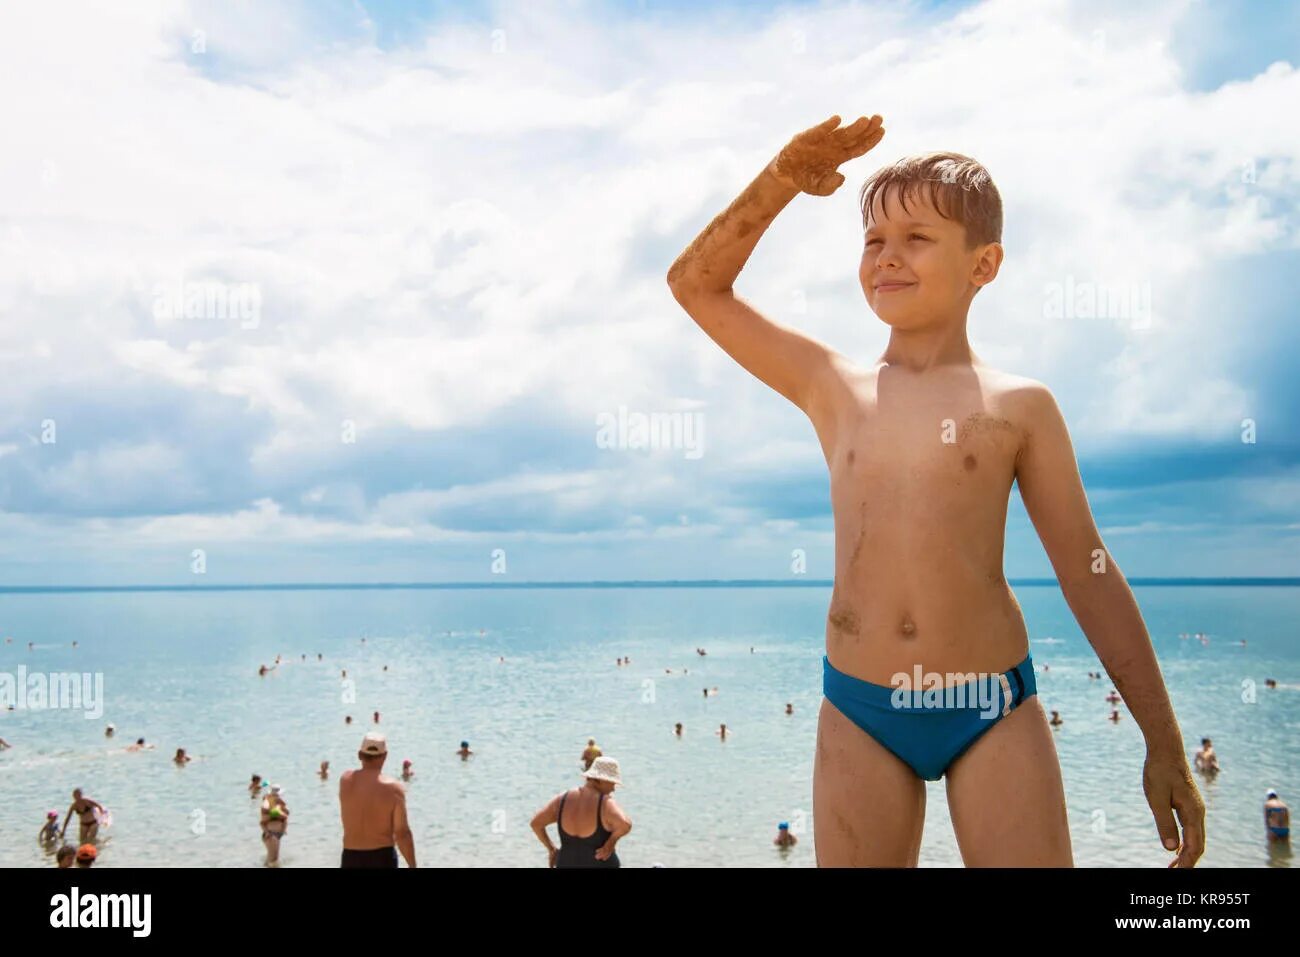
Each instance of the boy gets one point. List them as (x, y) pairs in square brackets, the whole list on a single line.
[(922, 449)]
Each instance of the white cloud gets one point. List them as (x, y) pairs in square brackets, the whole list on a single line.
[(444, 230)]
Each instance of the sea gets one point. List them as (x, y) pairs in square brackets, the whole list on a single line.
[(527, 675)]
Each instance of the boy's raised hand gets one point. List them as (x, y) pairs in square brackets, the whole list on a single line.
[(809, 162)]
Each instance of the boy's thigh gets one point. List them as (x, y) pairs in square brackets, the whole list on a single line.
[(868, 806), (1006, 798)]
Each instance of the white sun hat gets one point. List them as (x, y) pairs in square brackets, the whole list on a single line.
[(604, 769)]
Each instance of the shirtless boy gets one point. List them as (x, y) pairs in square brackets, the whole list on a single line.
[(923, 447)]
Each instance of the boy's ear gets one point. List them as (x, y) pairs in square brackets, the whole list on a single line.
[(987, 264)]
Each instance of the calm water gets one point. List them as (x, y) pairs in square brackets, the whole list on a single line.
[(180, 669)]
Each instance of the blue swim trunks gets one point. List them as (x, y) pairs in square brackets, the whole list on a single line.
[(928, 726)]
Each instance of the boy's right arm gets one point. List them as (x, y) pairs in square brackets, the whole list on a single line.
[(703, 276)]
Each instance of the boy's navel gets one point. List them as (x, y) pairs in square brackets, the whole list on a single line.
[(969, 463)]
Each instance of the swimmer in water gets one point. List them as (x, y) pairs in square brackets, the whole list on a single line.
[(87, 812), (4, 744), (324, 772), (1270, 683), (181, 758), (1205, 760), (347, 719), (376, 717), (783, 836), (108, 732), (49, 832), (789, 708), (407, 773), (722, 732), (464, 751), (1114, 715), (1277, 817), (1056, 721), (86, 855), (66, 856), (262, 670), (255, 786), (274, 821), (139, 746), (1112, 698), (590, 753), (677, 729)]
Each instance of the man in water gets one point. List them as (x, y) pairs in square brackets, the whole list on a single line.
[(591, 753), (1056, 721), (87, 812), (181, 758), (783, 836), (1277, 817), (324, 770), (374, 811), (108, 732), (722, 732), (275, 821), (1206, 761), (464, 751), (677, 729), (255, 786), (139, 746), (407, 773)]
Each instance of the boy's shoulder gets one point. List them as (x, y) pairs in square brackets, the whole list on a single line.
[(1008, 384), (1014, 394)]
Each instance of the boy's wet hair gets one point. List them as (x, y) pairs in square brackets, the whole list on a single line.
[(959, 187)]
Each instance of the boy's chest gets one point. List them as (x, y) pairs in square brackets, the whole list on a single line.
[(924, 446)]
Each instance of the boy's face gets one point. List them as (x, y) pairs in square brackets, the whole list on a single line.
[(916, 266)]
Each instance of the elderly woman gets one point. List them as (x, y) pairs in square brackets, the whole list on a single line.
[(585, 810)]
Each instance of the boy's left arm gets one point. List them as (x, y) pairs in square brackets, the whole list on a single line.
[(1103, 604)]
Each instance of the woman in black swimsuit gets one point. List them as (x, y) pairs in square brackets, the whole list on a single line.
[(611, 824)]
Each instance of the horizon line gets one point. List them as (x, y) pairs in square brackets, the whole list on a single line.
[(1246, 581)]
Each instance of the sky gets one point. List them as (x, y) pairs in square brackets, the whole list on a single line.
[(359, 291)]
